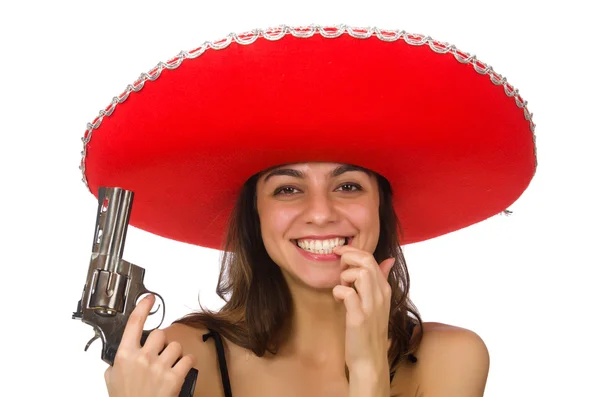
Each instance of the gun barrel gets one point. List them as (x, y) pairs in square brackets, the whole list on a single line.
[(114, 210)]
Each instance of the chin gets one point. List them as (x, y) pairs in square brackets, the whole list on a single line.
[(311, 273), (319, 278)]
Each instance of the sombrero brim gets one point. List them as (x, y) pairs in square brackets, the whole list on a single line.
[(452, 136)]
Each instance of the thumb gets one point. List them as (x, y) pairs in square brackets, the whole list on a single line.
[(386, 266)]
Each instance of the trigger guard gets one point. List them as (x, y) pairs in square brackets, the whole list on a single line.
[(163, 311)]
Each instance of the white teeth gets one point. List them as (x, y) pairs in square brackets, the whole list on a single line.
[(321, 246)]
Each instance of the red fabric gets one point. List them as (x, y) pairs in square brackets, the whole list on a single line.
[(455, 147)]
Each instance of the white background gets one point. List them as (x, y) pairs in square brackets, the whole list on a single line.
[(525, 283)]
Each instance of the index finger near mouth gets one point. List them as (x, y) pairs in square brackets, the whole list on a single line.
[(357, 258), (135, 325)]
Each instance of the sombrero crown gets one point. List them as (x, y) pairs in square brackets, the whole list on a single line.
[(454, 139)]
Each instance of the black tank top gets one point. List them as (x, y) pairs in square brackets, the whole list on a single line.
[(223, 364)]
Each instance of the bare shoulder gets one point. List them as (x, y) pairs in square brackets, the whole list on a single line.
[(452, 361), (190, 338)]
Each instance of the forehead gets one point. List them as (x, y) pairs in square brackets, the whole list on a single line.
[(300, 170)]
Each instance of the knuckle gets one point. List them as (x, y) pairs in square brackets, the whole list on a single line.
[(387, 291), (177, 348), (156, 370), (171, 379), (158, 335), (143, 359), (190, 360), (122, 356)]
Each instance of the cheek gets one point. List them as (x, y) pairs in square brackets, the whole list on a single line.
[(275, 222), (364, 217), (275, 228)]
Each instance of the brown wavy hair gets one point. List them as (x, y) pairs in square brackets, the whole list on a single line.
[(257, 298)]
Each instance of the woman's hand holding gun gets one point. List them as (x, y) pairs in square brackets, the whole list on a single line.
[(148, 370)]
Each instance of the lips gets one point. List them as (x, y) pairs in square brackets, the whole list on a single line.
[(318, 257)]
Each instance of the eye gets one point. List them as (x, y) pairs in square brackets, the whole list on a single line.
[(356, 185), (282, 189)]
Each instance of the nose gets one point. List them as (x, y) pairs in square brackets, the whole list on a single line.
[(320, 209)]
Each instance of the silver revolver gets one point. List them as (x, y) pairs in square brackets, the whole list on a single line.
[(113, 285)]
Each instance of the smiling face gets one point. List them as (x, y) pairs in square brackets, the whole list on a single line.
[(311, 204)]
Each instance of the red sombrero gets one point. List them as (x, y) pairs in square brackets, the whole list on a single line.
[(454, 139)]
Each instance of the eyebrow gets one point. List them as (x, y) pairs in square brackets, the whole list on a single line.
[(299, 174)]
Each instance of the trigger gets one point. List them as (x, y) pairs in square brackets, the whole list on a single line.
[(155, 311), (96, 336), (162, 302)]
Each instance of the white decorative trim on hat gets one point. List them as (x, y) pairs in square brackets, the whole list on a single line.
[(279, 32)]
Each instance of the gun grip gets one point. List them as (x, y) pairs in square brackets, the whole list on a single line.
[(189, 384)]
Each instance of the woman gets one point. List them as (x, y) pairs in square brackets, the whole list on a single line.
[(306, 301), (365, 173)]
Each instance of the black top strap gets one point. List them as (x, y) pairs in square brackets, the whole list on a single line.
[(411, 357), (222, 361)]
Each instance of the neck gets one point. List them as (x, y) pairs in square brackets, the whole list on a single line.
[(317, 327)]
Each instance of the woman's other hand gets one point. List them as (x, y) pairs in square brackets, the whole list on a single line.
[(366, 293)]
